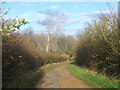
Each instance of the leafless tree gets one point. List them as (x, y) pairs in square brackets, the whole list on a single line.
[(53, 23)]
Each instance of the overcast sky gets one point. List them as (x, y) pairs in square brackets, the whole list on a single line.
[(78, 13)]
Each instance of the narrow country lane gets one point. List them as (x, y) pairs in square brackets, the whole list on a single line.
[(60, 77)]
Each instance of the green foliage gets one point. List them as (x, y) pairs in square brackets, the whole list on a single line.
[(92, 78), (98, 47), (10, 25)]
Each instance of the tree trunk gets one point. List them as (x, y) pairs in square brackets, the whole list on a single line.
[(48, 43)]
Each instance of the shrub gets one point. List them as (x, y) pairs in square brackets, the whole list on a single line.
[(97, 47), (53, 58), (18, 56)]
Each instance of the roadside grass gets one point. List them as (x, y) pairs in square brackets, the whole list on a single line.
[(93, 79), (49, 67)]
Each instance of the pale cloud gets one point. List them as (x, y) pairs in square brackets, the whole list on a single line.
[(22, 4), (76, 14), (105, 11), (73, 18), (42, 3), (13, 10), (33, 16), (81, 19), (26, 4), (71, 29), (55, 7), (77, 6)]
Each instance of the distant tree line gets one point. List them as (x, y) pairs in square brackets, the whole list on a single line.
[(60, 44)]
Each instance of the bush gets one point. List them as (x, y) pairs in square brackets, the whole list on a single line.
[(52, 58), (97, 47), (17, 56)]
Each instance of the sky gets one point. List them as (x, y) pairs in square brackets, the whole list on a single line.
[(78, 13)]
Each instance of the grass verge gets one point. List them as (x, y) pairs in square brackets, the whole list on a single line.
[(50, 66), (93, 79)]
